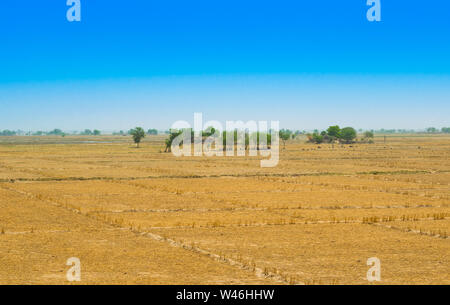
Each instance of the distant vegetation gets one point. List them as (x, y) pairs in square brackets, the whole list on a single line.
[(435, 130), (211, 131), (7, 133), (120, 133), (332, 134), (88, 132), (54, 132)]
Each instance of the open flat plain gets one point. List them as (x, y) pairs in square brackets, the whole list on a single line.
[(141, 216)]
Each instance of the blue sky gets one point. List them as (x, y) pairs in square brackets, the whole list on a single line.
[(308, 64)]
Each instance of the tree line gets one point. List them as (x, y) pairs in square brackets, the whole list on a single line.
[(210, 131), (333, 133)]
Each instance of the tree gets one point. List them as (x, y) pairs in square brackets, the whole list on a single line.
[(87, 132), (431, 130), (138, 134), (368, 135), (97, 132), (334, 131), (285, 134), (152, 132), (348, 134), (56, 132), (445, 129), (173, 134)]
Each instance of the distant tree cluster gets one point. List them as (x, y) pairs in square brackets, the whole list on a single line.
[(55, 132), (435, 130), (382, 130), (390, 131), (210, 131), (59, 132), (7, 132), (151, 131), (88, 132), (120, 133), (335, 133)]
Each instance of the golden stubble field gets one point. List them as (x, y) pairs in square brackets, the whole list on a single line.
[(140, 216)]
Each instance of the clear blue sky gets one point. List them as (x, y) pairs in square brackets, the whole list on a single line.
[(308, 64)]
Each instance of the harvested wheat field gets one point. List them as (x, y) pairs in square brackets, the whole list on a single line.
[(142, 216)]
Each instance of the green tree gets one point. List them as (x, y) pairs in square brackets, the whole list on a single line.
[(368, 135), (173, 134), (209, 131), (138, 134), (152, 131), (348, 134), (334, 131), (285, 134), (96, 132)]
